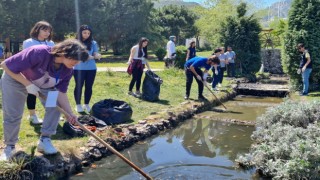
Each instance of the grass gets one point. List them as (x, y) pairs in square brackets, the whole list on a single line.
[(110, 85), (204, 53), (154, 64)]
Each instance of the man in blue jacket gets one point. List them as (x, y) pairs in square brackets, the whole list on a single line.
[(193, 69)]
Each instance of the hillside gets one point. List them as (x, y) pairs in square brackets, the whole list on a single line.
[(277, 10), (161, 3)]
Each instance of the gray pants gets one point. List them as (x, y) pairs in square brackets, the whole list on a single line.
[(14, 96)]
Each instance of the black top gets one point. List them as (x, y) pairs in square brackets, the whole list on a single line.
[(304, 60)]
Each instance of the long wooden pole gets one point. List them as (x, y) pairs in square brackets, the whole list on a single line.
[(104, 143)]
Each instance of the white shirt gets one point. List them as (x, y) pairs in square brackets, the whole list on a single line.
[(136, 54), (171, 48)]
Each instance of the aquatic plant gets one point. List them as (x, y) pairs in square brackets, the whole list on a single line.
[(287, 144)]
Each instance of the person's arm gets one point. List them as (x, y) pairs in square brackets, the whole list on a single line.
[(148, 66), (64, 104), (96, 54), (195, 73), (133, 50), (188, 54), (307, 63)]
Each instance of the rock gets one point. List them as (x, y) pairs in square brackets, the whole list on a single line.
[(95, 154), (118, 129), (142, 121)]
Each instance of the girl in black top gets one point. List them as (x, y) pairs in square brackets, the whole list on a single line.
[(191, 52)]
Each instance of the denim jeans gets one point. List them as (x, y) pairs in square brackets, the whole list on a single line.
[(231, 70), (216, 78), (305, 80)]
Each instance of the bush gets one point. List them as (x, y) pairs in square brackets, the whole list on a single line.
[(160, 53), (181, 56), (303, 27), (287, 143)]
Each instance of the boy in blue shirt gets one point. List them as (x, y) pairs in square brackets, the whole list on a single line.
[(193, 69)]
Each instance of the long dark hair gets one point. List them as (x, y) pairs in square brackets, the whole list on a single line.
[(145, 49), (41, 25), (87, 42), (192, 42)]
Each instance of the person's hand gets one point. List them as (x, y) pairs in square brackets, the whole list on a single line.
[(303, 69), (216, 72), (33, 89), (199, 77), (72, 119), (205, 75), (97, 56), (299, 71)]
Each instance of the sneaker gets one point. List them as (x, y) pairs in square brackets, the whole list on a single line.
[(7, 153), (86, 107), (130, 93), (303, 94), (79, 108), (137, 93), (202, 98), (35, 119), (215, 89), (45, 146), (219, 85), (186, 97)]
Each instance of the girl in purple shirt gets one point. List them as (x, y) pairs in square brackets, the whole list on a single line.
[(38, 69)]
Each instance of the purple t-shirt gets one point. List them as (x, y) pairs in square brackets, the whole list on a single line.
[(37, 65)]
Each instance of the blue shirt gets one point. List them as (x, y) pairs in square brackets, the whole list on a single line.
[(198, 62), (32, 42), (91, 63)]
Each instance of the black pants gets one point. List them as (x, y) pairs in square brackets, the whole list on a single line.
[(86, 78), (31, 101), (189, 78), (136, 78), (222, 70)]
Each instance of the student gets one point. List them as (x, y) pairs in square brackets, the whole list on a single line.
[(193, 69), (137, 60), (223, 62), (85, 72), (231, 57), (216, 70), (38, 69), (191, 52), (41, 33), (305, 68), (171, 51)]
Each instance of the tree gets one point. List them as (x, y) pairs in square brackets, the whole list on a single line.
[(303, 27), (176, 20), (242, 33)]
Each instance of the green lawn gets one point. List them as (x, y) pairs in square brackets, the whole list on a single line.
[(113, 85), (204, 53), (153, 64)]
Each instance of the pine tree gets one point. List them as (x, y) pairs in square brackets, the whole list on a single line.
[(303, 27), (242, 34)]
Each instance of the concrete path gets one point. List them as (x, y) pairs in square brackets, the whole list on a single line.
[(121, 69)]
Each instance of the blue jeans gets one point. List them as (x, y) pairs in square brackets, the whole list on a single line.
[(305, 80), (231, 70)]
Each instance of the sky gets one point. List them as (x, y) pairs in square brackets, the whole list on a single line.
[(266, 3)]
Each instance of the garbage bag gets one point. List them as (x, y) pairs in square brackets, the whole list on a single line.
[(112, 111), (151, 86)]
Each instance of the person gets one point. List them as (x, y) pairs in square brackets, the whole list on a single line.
[(191, 51), (171, 51), (223, 62), (193, 69), (38, 69), (41, 33), (216, 70), (85, 72), (305, 68), (231, 57), (1, 51), (137, 60)]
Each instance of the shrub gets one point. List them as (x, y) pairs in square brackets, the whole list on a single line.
[(303, 27), (160, 53), (181, 56), (287, 143)]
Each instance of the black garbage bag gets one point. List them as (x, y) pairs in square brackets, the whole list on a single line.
[(112, 111), (88, 121), (151, 86)]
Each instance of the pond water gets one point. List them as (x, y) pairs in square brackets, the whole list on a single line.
[(200, 148)]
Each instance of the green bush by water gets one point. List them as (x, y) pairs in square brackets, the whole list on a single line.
[(287, 142)]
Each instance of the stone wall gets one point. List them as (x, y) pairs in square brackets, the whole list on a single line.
[(271, 59)]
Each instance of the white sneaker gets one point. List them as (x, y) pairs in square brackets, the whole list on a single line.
[(35, 119), (219, 85), (7, 153), (215, 89), (137, 93), (45, 146), (79, 108), (86, 107)]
